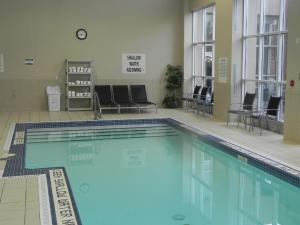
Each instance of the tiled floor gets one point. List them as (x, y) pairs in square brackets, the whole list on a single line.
[(269, 144), (19, 201)]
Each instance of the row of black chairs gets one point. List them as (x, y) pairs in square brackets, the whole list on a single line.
[(246, 110), (198, 100), (117, 97)]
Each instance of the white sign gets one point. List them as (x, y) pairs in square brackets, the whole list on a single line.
[(1, 63), (223, 69), (133, 63)]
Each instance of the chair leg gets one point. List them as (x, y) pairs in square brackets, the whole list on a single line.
[(239, 119), (228, 117), (260, 123), (251, 125), (100, 113)]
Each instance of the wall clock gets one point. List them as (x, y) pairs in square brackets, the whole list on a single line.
[(81, 34)]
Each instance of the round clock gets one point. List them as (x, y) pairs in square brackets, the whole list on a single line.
[(81, 34)]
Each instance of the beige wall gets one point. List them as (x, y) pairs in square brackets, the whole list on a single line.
[(292, 112), (45, 30)]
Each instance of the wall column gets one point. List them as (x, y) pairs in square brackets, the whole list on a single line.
[(292, 107), (223, 50)]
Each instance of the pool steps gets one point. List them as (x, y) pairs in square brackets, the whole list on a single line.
[(99, 134)]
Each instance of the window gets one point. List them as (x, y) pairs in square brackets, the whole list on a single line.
[(204, 47), (264, 44)]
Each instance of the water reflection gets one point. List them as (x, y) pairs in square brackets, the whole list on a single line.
[(226, 191), (81, 152), (133, 158)]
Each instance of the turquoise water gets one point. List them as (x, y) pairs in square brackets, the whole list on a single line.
[(156, 175)]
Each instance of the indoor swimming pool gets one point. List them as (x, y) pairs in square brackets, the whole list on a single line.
[(160, 173)]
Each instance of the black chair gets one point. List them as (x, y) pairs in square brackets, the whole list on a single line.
[(103, 100), (242, 109), (122, 98), (271, 112), (139, 97), (210, 104), (191, 97), (201, 100)]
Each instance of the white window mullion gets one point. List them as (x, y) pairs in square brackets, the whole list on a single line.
[(213, 69), (194, 26), (245, 25), (193, 49), (194, 79), (200, 20), (261, 56), (203, 65), (282, 16), (203, 46)]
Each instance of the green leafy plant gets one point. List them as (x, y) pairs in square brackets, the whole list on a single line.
[(174, 79)]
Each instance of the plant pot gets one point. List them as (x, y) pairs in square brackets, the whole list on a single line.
[(171, 102), (172, 105)]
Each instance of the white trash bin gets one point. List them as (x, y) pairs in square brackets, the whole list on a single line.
[(53, 93)]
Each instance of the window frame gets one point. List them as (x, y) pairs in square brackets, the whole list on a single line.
[(203, 43), (261, 34)]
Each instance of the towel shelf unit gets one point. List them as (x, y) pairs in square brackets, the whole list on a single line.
[(79, 82)]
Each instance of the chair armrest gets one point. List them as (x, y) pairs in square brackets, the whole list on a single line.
[(201, 98), (240, 106), (262, 112), (189, 95), (236, 103)]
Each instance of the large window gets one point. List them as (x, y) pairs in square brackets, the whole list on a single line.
[(204, 47), (264, 58)]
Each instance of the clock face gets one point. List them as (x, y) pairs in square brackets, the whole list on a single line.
[(81, 34)]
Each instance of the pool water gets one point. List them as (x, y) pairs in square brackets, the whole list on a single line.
[(158, 175)]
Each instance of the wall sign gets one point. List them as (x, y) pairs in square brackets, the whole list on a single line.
[(133, 63), (223, 69), (29, 62)]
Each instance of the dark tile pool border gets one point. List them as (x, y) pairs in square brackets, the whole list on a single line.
[(16, 166)]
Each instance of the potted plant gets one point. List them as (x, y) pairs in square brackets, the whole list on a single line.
[(174, 78)]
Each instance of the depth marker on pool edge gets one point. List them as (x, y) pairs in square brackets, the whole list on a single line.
[(64, 210)]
